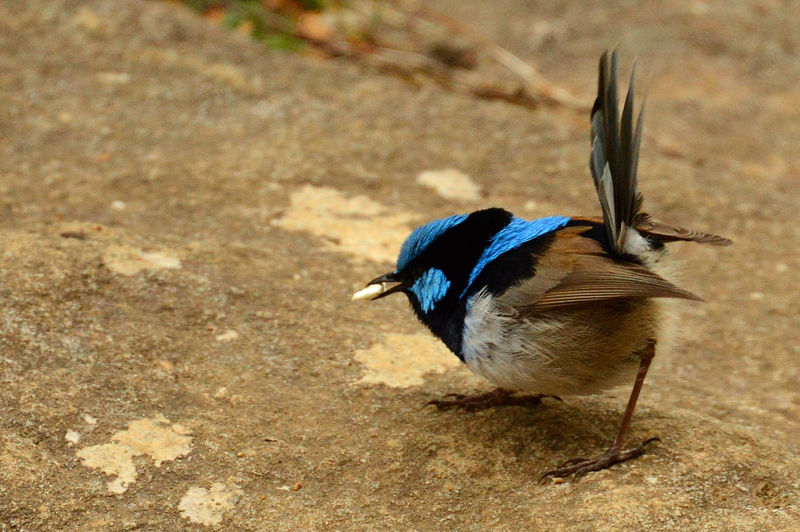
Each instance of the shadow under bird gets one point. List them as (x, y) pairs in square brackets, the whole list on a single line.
[(559, 305)]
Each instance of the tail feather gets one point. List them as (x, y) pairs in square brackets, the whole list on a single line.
[(614, 164), (615, 153)]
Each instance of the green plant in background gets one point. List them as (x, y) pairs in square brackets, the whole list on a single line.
[(273, 22)]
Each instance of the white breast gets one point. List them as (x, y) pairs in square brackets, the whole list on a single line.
[(572, 351)]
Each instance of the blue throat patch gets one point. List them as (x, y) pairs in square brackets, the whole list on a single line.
[(512, 236), (422, 236), (430, 288)]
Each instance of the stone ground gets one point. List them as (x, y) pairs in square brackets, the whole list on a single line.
[(185, 215)]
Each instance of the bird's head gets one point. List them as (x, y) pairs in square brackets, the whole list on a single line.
[(435, 264)]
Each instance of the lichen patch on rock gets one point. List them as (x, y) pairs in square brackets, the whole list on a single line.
[(228, 336), (450, 184), (72, 437), (153, 437), (129, 260), (207, 506), (356, 225), (403, 360)]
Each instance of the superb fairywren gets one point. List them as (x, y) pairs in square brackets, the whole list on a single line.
[(559, 305)]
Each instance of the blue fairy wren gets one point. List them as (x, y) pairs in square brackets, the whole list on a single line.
[(559, 305)]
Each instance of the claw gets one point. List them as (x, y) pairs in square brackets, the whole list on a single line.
[(498, 397), (578, 467), (571, 462)]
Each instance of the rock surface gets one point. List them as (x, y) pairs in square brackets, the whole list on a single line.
[(162, 283)]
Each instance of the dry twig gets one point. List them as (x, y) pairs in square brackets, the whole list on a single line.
[(531, 89), (535, 86)]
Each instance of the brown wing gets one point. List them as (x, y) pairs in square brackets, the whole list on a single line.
[(600, 278), (577, 270)]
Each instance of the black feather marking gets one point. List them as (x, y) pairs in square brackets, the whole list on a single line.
[(512, 267)]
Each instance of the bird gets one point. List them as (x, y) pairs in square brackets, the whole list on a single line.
[(560, 305)]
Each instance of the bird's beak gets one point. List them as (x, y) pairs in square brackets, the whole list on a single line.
[(380, 287)]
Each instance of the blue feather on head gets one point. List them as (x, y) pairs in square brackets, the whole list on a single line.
[(422, 236), (430, 288)]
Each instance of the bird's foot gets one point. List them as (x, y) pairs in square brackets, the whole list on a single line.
[(578, 467), (497, 397)]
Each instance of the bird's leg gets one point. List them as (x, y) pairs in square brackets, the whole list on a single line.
[(615, 454), (497, 397)]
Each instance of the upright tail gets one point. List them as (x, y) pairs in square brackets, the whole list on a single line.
[(614, 163)]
